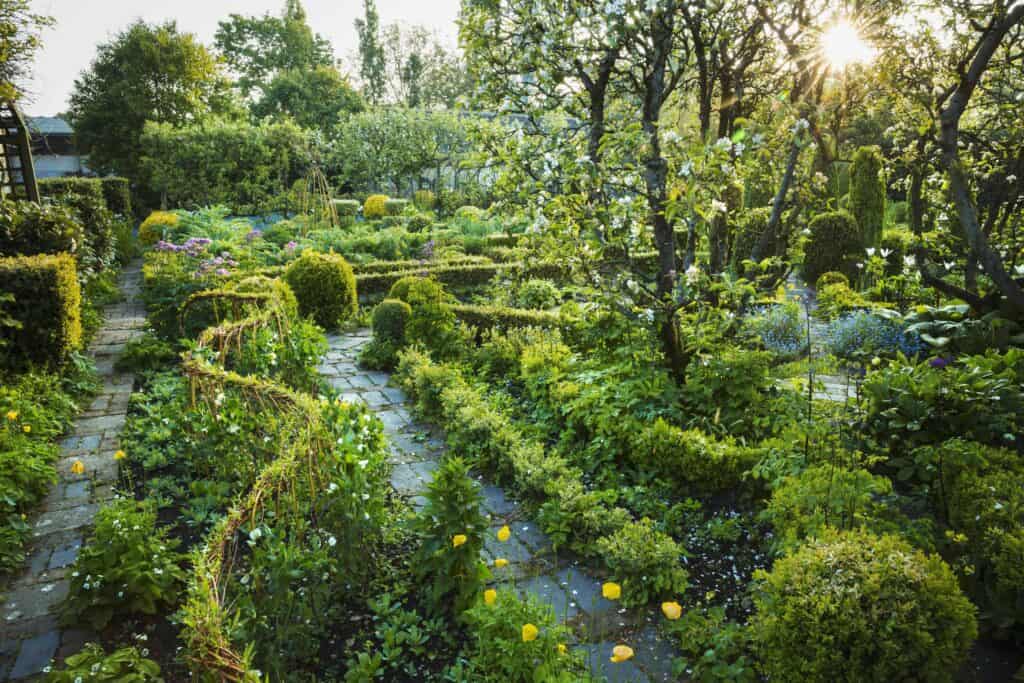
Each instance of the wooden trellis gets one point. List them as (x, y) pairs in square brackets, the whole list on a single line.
[(17, 172)]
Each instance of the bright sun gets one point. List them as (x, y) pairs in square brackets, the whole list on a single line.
[(842, 45)]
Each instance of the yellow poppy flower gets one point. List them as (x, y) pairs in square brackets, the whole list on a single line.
[(501, 562), (12, 415), (504, 533), (529, 633), (119, 455), (490, 595), (77, 467), (671, 610), (621, 653), (562, 649), (458, 539), (611, 591), (27, 429)]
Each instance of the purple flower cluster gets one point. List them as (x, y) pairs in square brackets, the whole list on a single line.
[(219, 265), (194, 246), (253, 235), (291, 246), (939, 362)]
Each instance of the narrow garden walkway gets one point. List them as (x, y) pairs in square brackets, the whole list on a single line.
[(416, 449), (29, 632), (838, 388)]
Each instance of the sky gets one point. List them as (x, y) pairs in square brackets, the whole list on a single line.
[(70, 46)]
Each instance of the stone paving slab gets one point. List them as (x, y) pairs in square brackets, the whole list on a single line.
[(29, 630)]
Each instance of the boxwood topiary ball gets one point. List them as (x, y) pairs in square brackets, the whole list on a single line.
[(859, 607), (389, 319), (325, 288), (834, 245)]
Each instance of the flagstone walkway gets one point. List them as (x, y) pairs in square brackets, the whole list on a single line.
[(29, 632), (416, 449)]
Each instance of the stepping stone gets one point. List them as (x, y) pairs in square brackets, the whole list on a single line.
[(597, 656), (35, 654), (495, 501)]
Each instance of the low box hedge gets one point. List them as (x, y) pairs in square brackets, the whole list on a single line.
[(504, 318), (47, 304)]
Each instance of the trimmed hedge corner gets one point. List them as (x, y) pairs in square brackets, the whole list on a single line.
[(47, 304)]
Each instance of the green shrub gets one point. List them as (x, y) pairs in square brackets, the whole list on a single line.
[(395, 207), (689, 458), (750, 226), (835, 244), (497, 650), (867, 194), (537, 294), (418, 222), (728, 393), (146, 353), (84, 196), (831, 278), (896, 244), (373, 208), (714, 649), (470, 213), (27, 229), (836, 299), (118, 194), (325, 288), (424, 200), (92, 664), (485, 318), (129, 566), (280, 233), (823, 496), (451, 530), (645, 561), (987, 510), (857, 607), (155, 227), (347, 210), (47, 305), (575, 517), (389, 320), (978, 397)]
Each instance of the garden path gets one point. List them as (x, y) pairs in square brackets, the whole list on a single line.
[(840, 387), (415, 450), (30, 636)]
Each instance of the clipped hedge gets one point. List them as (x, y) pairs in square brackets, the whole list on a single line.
[(504, 318), (80, 187), (472, 275), (118, 193), (47, 304), (395, 207), (376, 267)]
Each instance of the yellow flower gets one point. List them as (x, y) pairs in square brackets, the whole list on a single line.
[(621, 653), (458, 539), (119, 455), (504, 533), (876, 361), (12, 415), (611, 591), (671, 610), (27, 429), (490, 595), (77, 467), (562, 649), (501, 562), (529, 633)]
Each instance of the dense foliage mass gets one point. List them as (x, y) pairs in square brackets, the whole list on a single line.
[(729, 297)]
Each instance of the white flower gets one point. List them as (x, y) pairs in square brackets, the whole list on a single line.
[(332, 541), (255, 534), (724, 144), (908, 261), (363, 464), (692, 273), (885, 252), (870, 251), (948, 265), (1011, 179), (686, 169)]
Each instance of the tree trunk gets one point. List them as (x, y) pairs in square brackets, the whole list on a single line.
[(949, 118), (764, 242)]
